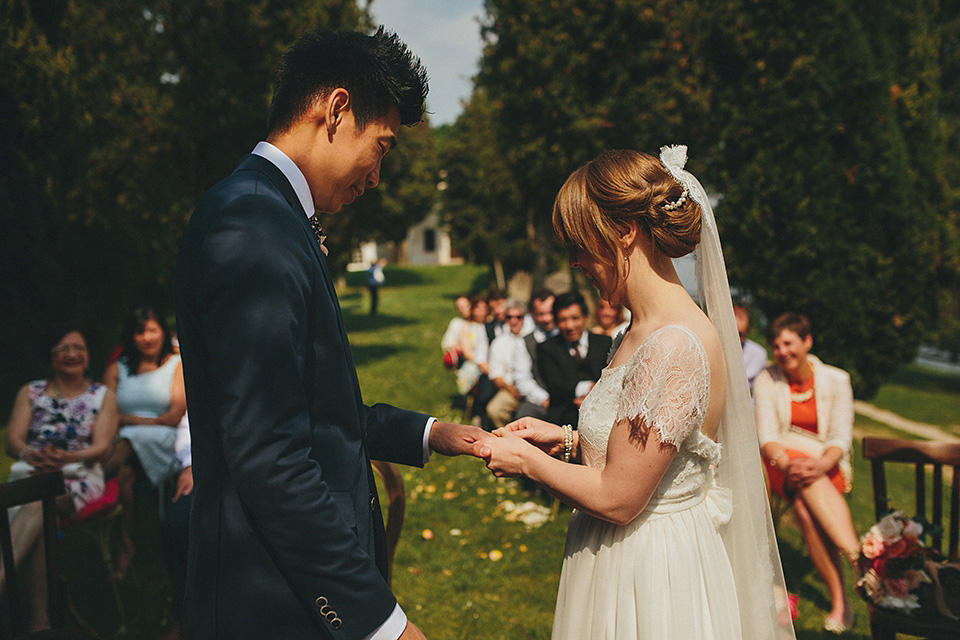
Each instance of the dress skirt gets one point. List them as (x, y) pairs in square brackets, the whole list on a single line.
[(665, 575)]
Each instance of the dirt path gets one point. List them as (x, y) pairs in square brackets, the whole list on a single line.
[(921, 429)]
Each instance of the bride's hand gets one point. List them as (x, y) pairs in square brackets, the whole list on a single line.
[(547, 437), (505, 455)]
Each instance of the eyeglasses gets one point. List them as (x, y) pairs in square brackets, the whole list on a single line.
[(64, 349), (510, 317)]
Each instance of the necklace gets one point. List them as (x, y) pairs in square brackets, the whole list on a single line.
[(800, 397), (59, 394)]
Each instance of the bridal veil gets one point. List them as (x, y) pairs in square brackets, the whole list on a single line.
[(749, 536)]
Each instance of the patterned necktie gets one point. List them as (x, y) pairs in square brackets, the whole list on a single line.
[(318, 231)]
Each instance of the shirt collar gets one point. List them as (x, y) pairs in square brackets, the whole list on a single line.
[(291, 172)]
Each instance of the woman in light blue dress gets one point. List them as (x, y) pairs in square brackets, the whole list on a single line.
[(148, 381)]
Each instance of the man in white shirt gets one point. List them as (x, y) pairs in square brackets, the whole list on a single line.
[(501, 360), (526, 377), (754, 356)]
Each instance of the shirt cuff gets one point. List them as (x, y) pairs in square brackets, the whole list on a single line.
[(392, 628), (426, 439)]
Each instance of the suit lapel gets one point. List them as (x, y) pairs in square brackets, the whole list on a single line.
[(253, 162)]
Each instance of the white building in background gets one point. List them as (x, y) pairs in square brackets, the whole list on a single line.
[(427, 243)]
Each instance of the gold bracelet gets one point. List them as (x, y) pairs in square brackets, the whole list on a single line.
[(567, 442)]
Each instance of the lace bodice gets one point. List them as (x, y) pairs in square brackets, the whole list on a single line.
[(665, 385)]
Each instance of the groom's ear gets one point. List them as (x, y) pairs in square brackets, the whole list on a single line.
[(336, 104)]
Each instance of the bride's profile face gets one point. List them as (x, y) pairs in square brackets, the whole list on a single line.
[(603, 276)]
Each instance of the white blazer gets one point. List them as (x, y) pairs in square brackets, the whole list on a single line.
[(834, 394)]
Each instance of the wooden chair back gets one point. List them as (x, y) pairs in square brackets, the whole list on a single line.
[(396, 506), (923, 455), (45, 487)]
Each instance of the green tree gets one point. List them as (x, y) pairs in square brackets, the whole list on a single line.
[(568, 78), (826, 176), (481, 202), (115, 118), (826, 205)]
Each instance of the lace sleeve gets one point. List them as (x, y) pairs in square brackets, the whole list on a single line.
[(666, 385)]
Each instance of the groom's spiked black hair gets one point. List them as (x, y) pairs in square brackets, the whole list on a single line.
[(378, 71)]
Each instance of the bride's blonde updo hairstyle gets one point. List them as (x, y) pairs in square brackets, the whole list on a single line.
[(599, 200)]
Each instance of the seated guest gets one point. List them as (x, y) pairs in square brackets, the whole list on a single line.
[(497, 325), (754, 356), (804, 415), (65, 423), (473, 346), (526, 376), (502, 356), (608, 319), (570, 363), (148, 381), (450, 342)]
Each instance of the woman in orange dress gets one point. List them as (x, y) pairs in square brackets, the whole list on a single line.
[(804, 415)]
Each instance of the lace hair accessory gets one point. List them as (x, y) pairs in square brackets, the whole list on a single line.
[(673, 158), (749, 536)]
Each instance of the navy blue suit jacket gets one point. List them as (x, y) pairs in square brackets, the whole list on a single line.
[(561, 373), (286, 537)]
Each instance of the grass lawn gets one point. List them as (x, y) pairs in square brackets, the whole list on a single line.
[(462, 570), (924, 395)]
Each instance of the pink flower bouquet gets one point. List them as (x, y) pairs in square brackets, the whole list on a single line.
[(891, 563)]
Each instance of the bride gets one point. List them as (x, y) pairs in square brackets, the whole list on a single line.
[(671, 535)]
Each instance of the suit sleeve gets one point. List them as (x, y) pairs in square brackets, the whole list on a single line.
[(254, 292)]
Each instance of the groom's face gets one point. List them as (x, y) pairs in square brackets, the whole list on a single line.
[(358, 155)]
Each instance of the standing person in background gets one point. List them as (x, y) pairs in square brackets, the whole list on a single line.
[(754, 356), (570, 363), (804, 415), (502, 357), (148, 381), (375, 280), (286, 534), (526, 376)]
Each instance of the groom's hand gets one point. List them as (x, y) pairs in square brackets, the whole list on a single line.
[(452, 439)]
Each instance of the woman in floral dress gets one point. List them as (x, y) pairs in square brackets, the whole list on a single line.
[(64, 423)]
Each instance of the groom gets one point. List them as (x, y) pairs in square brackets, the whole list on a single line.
[(286, 537)]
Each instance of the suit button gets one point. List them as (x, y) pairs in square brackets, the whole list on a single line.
[(321, 601)]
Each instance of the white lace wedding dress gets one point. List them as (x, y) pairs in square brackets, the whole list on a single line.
[(666, 575)]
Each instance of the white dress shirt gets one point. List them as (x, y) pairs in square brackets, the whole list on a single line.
[(501, 360), (523, 378), (754, 359)]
